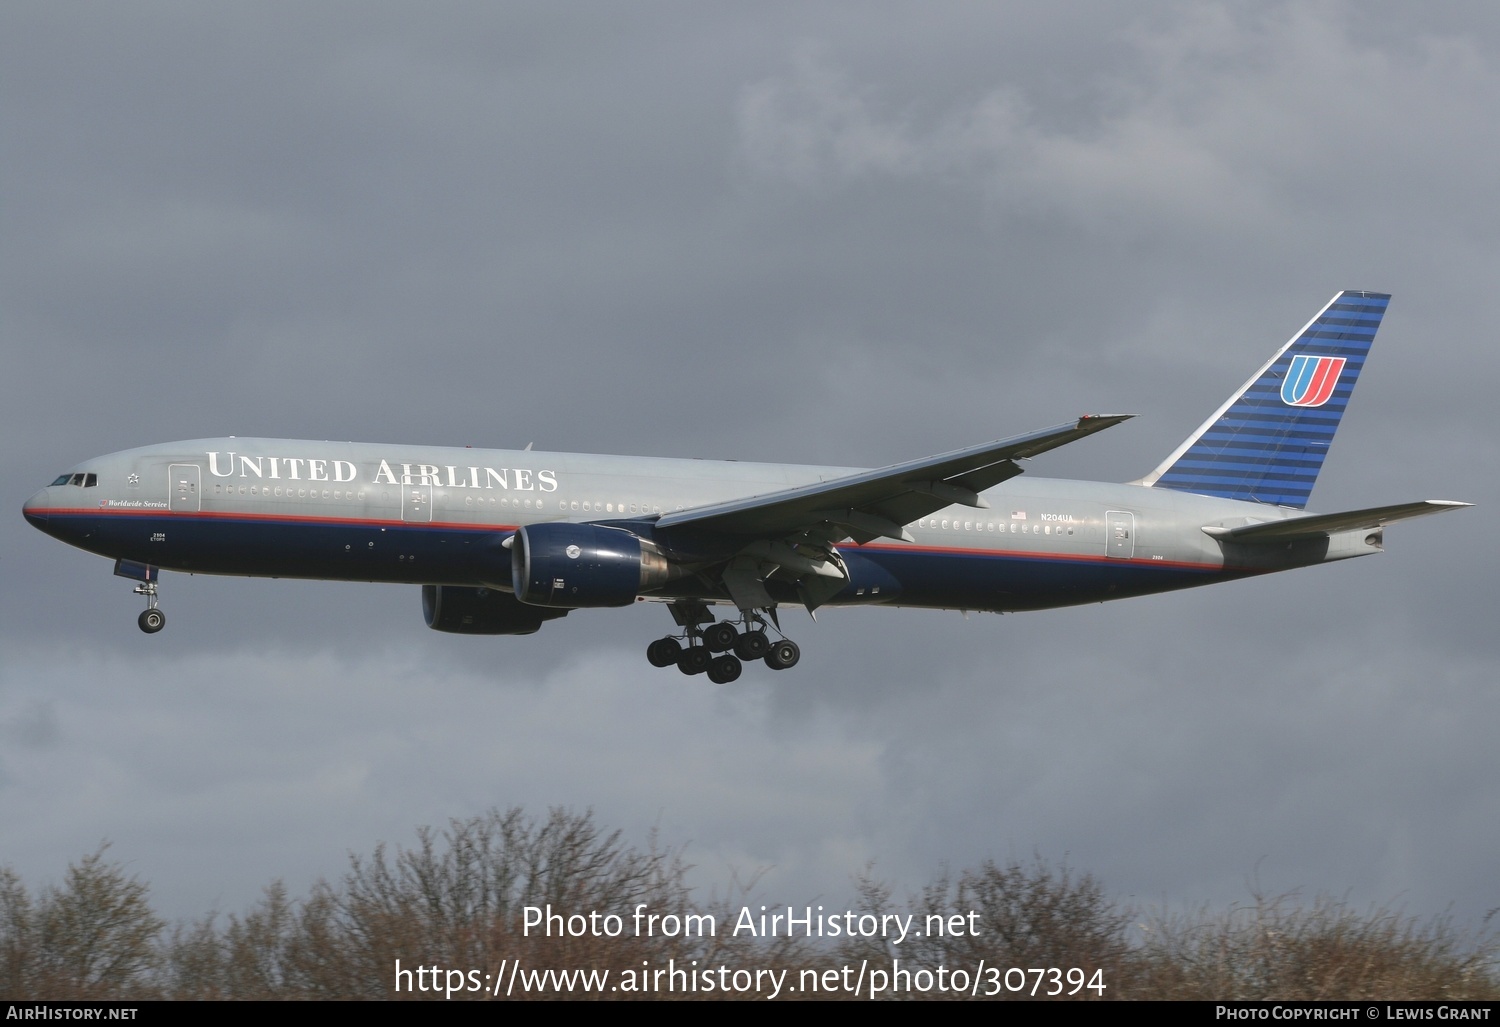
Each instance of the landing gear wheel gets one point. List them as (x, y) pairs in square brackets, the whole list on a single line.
[(724, 669), (693, 660), (663, 652), (752, 645), (152, 620), (783, 655), (720, 636)]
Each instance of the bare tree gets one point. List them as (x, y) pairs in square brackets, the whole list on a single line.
[(95, 936), (16, 942), (1006, 916), (1273, 948)]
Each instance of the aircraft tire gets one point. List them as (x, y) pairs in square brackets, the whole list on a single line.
[(151, 621), (724, 669), (752, 645), (783, 655), (663, 652), (693, 660), (720, 636)]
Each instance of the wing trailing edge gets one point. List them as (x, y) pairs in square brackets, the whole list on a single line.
[(873, 504)]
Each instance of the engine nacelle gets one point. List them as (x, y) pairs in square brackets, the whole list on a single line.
[(572, 566), (480, 611)]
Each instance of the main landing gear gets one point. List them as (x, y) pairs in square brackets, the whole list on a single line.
[(720, 648)]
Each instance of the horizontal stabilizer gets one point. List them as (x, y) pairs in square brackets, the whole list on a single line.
[(1318, 525)]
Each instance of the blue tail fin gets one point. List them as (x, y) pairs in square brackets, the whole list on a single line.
[(1267, 443)]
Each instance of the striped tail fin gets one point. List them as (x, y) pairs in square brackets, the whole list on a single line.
[(1267, 443)]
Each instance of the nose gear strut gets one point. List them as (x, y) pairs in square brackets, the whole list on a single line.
[(151, 619)]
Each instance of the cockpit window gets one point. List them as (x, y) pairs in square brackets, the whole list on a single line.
[(62, 479), (90, 480), (82, 479)]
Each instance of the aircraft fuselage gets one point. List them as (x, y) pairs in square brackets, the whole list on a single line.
[(441, 516)]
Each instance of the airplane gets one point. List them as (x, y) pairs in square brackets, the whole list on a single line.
[(503, 541)]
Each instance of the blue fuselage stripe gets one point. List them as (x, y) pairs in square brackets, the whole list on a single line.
[(969, 577)]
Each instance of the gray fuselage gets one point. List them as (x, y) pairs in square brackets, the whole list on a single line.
[(421, 515)]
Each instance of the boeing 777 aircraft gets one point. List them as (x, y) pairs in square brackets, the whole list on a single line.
[(502, 541)]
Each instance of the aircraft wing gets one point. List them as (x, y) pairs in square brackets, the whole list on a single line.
[(1318, 525), (875, 504)]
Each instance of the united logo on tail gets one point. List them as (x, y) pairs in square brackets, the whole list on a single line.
[(1310, 380)]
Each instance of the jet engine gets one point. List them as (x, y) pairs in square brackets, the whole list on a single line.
[(480, 611), (572, 566)]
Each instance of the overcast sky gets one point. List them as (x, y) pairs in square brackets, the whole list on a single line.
[(845, 233)]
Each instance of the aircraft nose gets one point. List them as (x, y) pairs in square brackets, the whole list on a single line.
[(36, 510)]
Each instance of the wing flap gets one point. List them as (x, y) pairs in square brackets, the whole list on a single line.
[(1318, 525)]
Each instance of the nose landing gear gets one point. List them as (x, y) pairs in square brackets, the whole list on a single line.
[(151, 619)]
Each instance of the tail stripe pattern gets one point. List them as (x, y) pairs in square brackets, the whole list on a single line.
[(1268, 442)]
